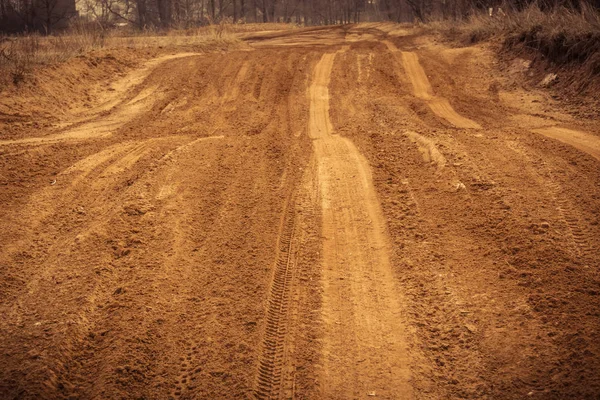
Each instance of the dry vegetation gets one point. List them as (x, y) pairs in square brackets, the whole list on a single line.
[(561, 39)]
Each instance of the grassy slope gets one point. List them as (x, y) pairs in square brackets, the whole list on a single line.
[(561, 41)]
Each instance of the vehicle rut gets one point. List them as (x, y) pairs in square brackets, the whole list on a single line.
[(270, 381), (365, 342), (440, 106)]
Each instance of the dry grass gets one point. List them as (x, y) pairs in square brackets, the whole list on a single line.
[(558, 22), (20, 55), (559, 39), (245, 28)]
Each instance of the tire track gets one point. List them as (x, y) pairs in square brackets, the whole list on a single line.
[(270, 382), (233, 89), (422, 89), (577, 231), (97, 125), (365, 347), (171, 253)]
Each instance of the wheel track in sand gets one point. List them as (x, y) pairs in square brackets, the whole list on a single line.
[(233, 89), (270, 382), (577, 231), (80, 176), (440, 106), (96, 175), (73, 342), (365, 345)]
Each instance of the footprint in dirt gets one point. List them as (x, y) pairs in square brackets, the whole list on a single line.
[(189, 369)]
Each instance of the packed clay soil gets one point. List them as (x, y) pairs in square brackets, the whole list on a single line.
[(321, 213)]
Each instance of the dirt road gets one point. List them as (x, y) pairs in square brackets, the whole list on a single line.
[(334, 212)]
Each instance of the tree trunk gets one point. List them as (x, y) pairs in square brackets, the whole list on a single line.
[(304, 13), (141, 10), (417, 9), (264, 11), (48, 17), (176, 14), (272, 11), (164, 13)]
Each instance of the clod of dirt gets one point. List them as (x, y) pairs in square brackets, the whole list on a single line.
[(548, 80)]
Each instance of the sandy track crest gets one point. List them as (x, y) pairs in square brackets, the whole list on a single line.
[(442, 108), (422, 89), (119, 88), (364, 345), (580, 140), (233, 91), (410, 61), (98, 128)]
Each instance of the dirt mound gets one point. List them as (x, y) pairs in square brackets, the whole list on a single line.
[(40, 101), (91, 80)]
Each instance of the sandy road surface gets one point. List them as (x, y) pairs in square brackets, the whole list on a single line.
[(346, 212)]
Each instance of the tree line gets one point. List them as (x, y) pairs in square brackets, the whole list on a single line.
[(47, 15)]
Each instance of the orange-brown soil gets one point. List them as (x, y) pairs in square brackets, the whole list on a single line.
[(334, 212)]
